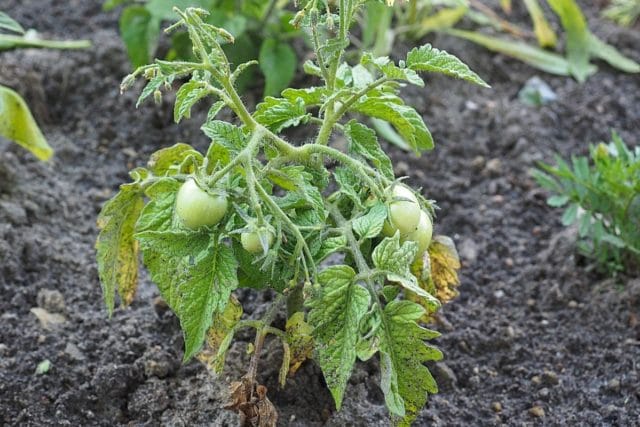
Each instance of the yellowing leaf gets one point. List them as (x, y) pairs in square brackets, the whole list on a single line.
[(18, 125), (544, 33), (300, 341), (219, 336), (445, 264), (117, 250), (437, 274)]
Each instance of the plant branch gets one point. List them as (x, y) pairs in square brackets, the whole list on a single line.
[(261, 333)]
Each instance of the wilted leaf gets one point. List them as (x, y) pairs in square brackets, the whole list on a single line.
[(250, 401), (219, 336), (117, 250), (300, 340), (444, 263)]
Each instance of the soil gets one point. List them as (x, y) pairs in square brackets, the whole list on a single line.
[(536, 337)]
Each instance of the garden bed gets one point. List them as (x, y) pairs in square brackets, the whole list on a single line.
[(536, 335)]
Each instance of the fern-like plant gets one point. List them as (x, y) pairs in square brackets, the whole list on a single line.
[(603, 197)]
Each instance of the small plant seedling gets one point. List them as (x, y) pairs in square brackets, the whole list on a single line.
[(624, 12), (258, 211), (603, 198)]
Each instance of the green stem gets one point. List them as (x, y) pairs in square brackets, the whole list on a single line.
[(356, 96), (319, 56), (17, 41), (247, 152), (365, 172), (332, 118), (278, 213), (237, 105), (251, 185), (364, 271)]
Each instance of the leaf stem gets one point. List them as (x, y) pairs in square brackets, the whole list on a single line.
[(278, 213)]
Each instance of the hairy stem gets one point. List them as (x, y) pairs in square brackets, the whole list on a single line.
[(261, 334), (278, 213)]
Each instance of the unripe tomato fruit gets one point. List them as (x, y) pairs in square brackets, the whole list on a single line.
[(196, 208), (404, 215), (422, 235), (251, 241)]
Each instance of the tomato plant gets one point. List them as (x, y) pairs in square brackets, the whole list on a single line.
[(291, 205)]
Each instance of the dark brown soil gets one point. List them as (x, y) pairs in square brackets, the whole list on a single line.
[(536, 337)]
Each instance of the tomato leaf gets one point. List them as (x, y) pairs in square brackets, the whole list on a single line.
[(395, 260), (195, 273), (404, 379), (279, 113), (349, 184), (225, 134), (278, 63), (370, 225), (166, 160), (336, 312), (117, 250), (330, 246), (157, 214), (186, 97), (390, 70), (363, 141), (405, 119), (220, 335), (299, 336), (428, 58), (312, 96)]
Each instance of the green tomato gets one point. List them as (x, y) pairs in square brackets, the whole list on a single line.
[(196, 208), (422, 235), (251, 241), (404, 215)]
